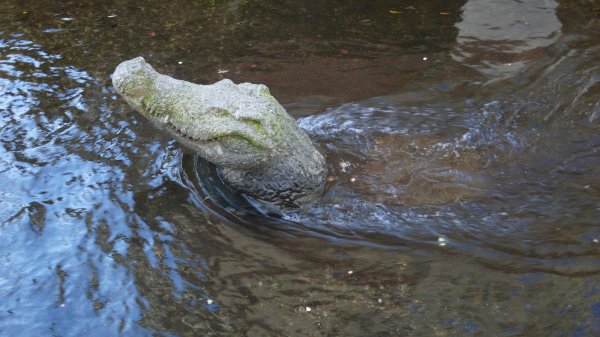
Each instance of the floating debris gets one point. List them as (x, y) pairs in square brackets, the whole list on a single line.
[(308, 309), (352, 179), (344, 165), (222, 71), (425, 58), (350, 272), (111, 16), (248, 66), (209, 301), (52, 30), (67, 19), (180, 62), (442, 242)]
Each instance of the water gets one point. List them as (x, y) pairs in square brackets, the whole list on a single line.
[(463, 145)]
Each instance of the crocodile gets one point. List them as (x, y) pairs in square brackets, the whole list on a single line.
[(257, 147)]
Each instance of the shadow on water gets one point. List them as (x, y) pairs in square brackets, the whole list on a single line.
[(463, 148)]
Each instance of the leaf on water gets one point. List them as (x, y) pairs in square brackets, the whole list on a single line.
[(169, 25), (248, 66)]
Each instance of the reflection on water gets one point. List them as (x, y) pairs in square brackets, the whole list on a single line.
[(452, 208), (500, 37)]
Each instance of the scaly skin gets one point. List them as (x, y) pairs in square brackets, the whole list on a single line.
[(258, 148)]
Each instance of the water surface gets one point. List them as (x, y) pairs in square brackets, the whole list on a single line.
[(463, 149)]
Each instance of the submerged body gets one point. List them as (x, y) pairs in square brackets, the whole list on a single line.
[(258, 148)]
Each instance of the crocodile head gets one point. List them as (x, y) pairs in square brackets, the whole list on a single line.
[(258, 148), (239, 126)]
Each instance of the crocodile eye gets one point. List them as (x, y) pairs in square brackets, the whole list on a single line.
[(255, 125)]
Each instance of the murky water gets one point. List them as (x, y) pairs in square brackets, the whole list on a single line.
[(463, 144)]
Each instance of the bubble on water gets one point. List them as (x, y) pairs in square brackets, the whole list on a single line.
[(344, 165)]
